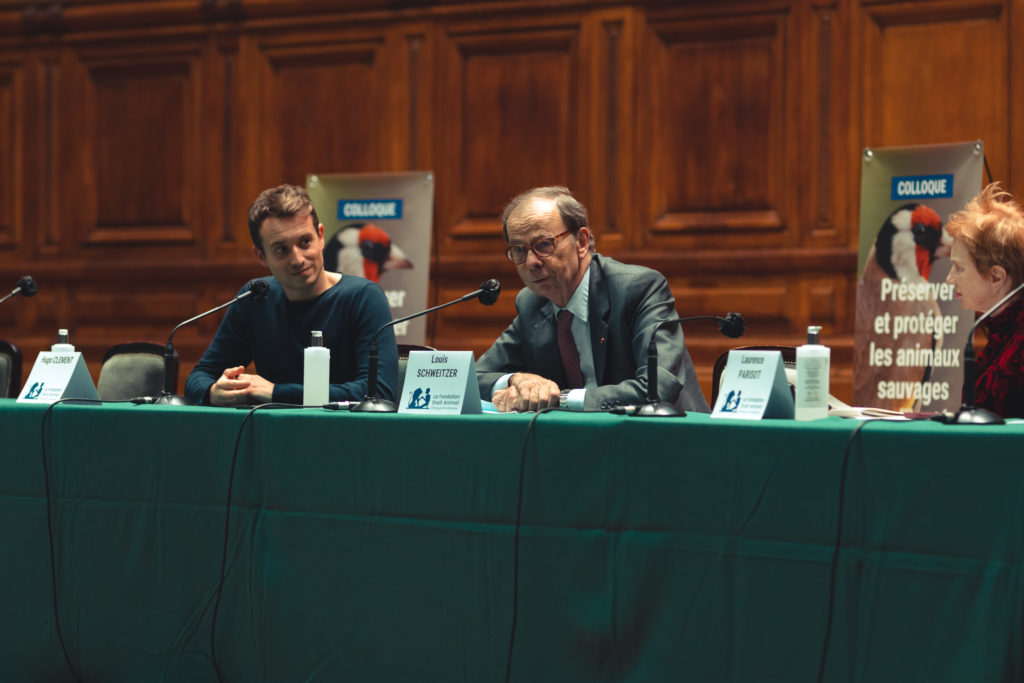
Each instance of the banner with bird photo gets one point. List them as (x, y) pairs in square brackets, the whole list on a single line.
[(378, 226), (910, 331)]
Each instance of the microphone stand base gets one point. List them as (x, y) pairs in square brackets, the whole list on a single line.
[(374, 405), (171, 400), (661, 409), (972, 415)]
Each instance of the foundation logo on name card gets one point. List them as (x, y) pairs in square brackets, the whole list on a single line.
[(420, 399), (732, 401)]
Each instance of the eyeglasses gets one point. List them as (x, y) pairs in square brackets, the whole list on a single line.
[(541, 246)]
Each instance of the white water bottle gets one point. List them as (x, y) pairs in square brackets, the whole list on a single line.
[(316, 372), (62, 345), (812, 368)]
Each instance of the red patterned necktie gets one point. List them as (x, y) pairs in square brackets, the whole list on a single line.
[(567, 349)]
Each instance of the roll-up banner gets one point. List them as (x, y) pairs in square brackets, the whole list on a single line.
[(378, 226), (910, 333)]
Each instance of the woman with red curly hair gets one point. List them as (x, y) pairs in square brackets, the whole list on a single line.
[(988, 263)]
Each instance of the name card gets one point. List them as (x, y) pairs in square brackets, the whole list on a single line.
[(754, 386), (58, 375), (440, 383)]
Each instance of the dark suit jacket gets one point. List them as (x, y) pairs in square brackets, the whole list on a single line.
[(625, 302)]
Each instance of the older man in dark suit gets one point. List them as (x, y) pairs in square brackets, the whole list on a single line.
[(584, 320)]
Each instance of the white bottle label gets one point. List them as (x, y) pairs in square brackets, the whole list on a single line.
[(812, 382), (316, 375)]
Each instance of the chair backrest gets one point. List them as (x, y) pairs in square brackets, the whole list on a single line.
[(10, 369), (788, 360), (403, 362), (133, 369)]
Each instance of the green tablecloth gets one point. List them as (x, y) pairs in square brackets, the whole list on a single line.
[(380, 548)]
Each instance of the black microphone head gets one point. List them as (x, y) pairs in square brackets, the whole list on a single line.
[(27, 286), (489, 291), (732, 325), (259, 288)]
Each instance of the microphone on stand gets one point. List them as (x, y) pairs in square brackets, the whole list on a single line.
[(970, 414), (487, 293), (26, 287), (731, 325), (257, 289)]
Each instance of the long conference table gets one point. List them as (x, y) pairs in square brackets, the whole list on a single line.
[(384, 548)]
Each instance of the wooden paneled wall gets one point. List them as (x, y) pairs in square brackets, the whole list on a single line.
[(718, 142)]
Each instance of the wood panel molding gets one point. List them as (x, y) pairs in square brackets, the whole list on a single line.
[(715, 94), (222, 10), (142, 116), (12, 136), (324, 104), (509, 120), (42, 18), (717, 221), (824, 226), (908, 99)]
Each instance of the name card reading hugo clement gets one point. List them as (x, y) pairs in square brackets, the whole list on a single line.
[(440, 383), (58, 375), (754, 386)]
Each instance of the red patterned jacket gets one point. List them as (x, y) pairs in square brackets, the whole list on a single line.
[(1000, 383)]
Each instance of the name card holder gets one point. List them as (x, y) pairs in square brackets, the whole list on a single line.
[(58, 375), (753, 387), (440, 383)]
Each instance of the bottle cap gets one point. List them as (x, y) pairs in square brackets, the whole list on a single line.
[(812, 333), (318, 338), (62, 336)]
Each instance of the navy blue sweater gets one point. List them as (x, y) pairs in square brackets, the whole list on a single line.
[(273, 333)]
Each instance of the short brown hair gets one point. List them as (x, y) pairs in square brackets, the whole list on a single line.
[(991, 227), (283, 201)]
